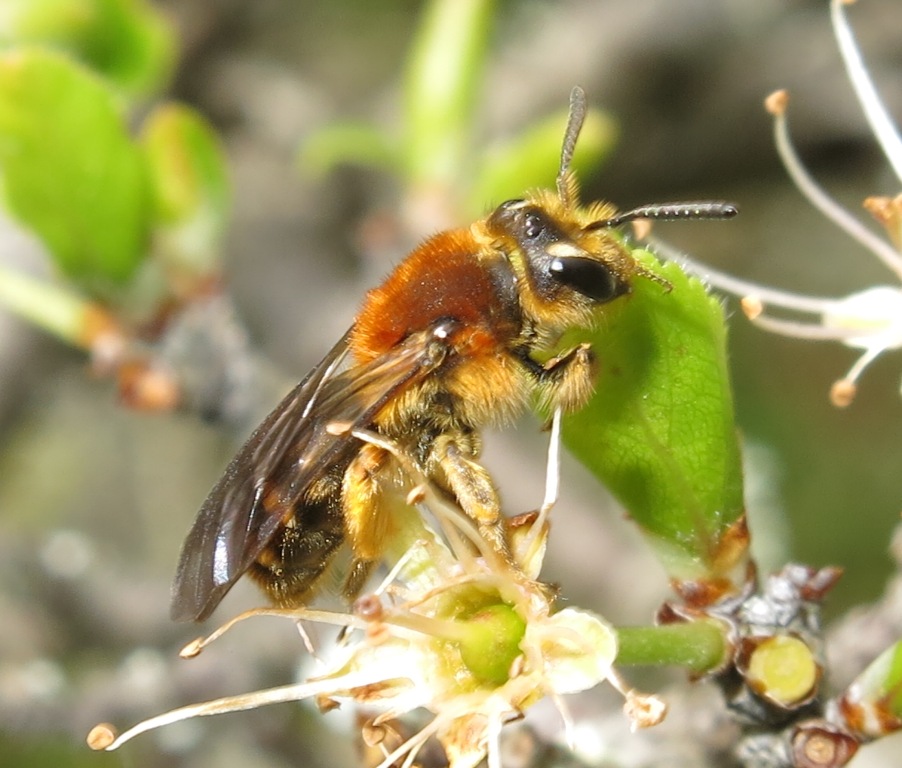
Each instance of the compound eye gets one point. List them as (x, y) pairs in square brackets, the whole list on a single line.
[(589, 277)]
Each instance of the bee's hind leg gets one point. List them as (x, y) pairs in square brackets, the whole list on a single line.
[(454, 456), (367, 520)]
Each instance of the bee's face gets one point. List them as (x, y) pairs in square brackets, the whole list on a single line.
[(564, 269)]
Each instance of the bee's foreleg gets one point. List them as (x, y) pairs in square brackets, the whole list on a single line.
[(568, 380), (471, 484)]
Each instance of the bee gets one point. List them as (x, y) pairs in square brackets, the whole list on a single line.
[(449, 343)]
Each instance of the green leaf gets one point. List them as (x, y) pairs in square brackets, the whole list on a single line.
[(531, 159), (659, 431), (189, 187), (128, 41), (69, 169)]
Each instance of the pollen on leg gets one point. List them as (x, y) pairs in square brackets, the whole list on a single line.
[(367, 523)]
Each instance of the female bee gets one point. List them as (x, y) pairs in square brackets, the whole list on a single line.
[(448, 344)]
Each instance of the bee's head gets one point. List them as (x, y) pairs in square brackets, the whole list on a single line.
[(558, 259), (568, 258)]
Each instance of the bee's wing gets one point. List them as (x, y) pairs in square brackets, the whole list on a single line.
[(289, 451)]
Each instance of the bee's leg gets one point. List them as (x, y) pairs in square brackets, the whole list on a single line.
[(367, 523), (472, 485), (357, 577), (568, 380)]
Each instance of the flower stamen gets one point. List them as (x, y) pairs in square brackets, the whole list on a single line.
[(97, 739), (643, 710), (754, 311), (871, 319), (462, 631), (412, 745), (528, 552), (777, 104), (878, 118)]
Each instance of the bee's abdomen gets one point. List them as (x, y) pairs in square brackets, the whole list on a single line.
[(293, 562)]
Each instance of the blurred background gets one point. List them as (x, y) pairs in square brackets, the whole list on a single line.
[(95, 499)]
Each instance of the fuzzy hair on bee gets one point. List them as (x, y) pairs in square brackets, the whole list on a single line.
[(448, 344)]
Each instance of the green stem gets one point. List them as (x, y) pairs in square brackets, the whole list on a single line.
[(443, 74), (699, 645), (54, 309), (880, 684)]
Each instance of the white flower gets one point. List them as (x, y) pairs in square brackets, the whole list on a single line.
[(455, 629), (870, 320)]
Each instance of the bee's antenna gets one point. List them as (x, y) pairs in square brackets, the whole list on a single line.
[(669, 212), (575, 122)]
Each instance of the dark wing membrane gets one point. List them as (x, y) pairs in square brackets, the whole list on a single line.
[(231, 526), (282, 458)]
